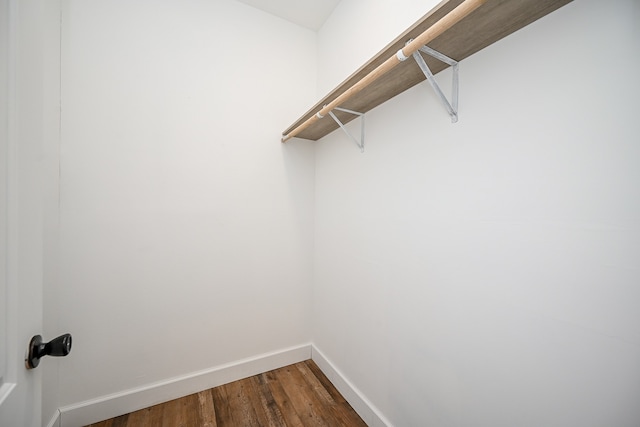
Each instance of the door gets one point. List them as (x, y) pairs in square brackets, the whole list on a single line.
[(22, 134)]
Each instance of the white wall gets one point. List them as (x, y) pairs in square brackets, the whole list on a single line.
[(346, 40), (486, 273), (185, 226)]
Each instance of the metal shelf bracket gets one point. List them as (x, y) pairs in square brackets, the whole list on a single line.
[(359, 143), (451, 107)]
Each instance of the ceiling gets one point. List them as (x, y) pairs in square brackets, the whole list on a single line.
[(307, 13)]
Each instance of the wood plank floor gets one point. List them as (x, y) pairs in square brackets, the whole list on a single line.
[(296, 395)]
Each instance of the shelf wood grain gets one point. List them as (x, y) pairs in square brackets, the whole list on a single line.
[(486, 25)]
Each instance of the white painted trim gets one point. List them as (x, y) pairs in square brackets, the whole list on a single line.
[(367, 411), (55, 420), (5, 390), (113, 405)]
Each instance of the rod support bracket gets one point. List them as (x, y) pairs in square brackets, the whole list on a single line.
[(359, 142), (451, 107)]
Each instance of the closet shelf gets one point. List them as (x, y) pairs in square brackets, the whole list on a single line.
[(482, 26)]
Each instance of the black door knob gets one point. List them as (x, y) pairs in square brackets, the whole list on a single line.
[(60, 346)]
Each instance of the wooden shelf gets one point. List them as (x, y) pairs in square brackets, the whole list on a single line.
[(489, 23)]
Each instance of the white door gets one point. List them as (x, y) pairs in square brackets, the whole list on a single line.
[(21, 207)]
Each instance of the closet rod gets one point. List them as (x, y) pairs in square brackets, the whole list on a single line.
[(446, 22)]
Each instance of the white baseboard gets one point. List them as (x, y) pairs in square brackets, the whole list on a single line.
[(367, 411), (105, 407), (55, 420)]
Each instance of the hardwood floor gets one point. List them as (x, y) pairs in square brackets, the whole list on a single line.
[(296, 395)]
